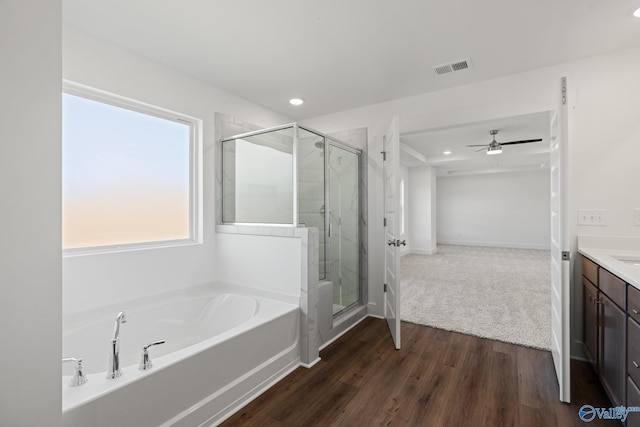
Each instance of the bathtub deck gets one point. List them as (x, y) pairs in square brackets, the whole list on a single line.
[(438, 378)]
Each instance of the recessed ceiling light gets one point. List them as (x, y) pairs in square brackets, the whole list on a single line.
[(637, 13), (446, 153), (296, 101)]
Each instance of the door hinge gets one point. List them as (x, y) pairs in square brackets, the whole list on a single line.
[(385, 287), (563, 90), (385, 222), (566, 256), (384, 156)]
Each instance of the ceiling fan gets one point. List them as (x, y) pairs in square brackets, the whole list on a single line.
[(495, 147)]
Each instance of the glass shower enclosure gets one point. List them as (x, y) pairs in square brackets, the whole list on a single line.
[(293, 176)]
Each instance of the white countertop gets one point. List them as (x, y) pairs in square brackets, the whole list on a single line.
[(604, 251)]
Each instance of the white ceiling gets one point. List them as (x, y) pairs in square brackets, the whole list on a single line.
[(341, 54)]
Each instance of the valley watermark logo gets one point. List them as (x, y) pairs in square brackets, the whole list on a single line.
[(588, 413)]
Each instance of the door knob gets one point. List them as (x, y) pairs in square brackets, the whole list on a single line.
[(401, 243), (392, 243)]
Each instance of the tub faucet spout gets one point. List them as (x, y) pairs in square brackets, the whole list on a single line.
[(114, 348)]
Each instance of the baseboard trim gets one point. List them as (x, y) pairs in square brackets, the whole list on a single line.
[(323, 346), (493, 244), (580, 359), (310, 365), (424, 251)]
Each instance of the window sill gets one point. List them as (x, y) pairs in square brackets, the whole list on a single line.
[(103, 250)]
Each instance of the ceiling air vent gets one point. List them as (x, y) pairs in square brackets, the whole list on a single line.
[(450, 67)]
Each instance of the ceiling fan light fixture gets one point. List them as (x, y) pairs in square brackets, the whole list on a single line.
[(494, 150)]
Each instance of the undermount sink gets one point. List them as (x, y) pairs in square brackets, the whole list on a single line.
[(629, 260)]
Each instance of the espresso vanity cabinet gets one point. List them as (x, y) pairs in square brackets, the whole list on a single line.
[(633, 354), (612, 361), (591, 313), (633, 399), (590, 309), (604, 326)]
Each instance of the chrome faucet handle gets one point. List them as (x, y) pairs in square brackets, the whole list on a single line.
[(114, 356), (78, 376), (120, 319), (145, 362)]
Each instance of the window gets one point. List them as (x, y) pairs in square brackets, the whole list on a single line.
[(128, 172)]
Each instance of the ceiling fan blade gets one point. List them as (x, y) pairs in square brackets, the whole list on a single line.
[(482, 149), (477, 145), (524, 141)]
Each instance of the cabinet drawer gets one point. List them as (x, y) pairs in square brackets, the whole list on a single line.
[(633, 399), (590, 270), (633, 349), (633, 302), (614, 287)]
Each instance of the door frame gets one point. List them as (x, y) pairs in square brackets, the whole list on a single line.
[(567, 286)]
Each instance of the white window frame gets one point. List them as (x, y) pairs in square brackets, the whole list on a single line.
[(195, 168)]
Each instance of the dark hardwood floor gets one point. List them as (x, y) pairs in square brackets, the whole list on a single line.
[(438, 378)]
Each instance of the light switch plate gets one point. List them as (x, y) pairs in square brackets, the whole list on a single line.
[(598, 217)]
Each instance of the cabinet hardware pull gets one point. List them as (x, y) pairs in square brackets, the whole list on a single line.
[(590, 298), (635, 364), (634, 311)]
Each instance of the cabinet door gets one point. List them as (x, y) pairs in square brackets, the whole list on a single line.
[(633, 399), (633, 349), (590, 322), (612, 360)]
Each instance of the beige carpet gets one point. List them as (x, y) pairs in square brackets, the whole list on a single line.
[(497, 293)]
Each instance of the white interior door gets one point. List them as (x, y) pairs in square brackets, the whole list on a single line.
[(392, 230), (560, 264)]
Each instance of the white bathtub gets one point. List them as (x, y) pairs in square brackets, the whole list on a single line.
[(222, 349)]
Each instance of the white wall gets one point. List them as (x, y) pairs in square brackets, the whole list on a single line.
[(602, 175), (30, 225), (509, 210), (422, 210), (98, 280), (606, 143), (262, 262)]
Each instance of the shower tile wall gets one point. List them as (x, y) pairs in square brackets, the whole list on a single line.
[(228, 200), (311, 188)]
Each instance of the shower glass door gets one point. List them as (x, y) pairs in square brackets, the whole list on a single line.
[(344, 213)]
